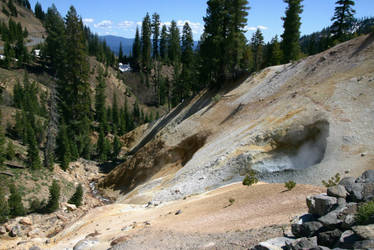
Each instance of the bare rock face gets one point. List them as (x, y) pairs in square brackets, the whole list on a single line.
[(320, 204), (25, 221), (86, 244), (365, 232), (337, 191), (71, 207)]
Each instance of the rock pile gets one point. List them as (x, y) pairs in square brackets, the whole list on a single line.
[(331, 221)]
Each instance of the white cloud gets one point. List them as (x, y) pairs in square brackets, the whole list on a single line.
[(127, 24), (252, 28), (105, 24), (88, 20)]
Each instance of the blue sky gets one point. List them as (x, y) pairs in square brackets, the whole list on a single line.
[(120, 18)]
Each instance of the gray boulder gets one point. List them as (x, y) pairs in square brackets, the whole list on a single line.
[(307, 229), (347, 182), (302, 243), (348, 221), (337, 191), (329, 238), (347, 239), (15, 231), (365, 232), (85, 244), (273, 244), (331, 220), (368, 192), (321, 204), (366, 177), (2, 230), (365, 244), (356, 193)]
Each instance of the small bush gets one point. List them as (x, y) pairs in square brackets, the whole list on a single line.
[(250, 178), (231, 200), (54, 197), (77, 197), (333, 181), (290, 185), (216, 98), (365, 214)]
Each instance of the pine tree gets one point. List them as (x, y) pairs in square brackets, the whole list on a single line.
[(163, 43), (75, 89), (291, 35), (222, 46), (54, 197), (39, 13), (136, 51), (174, 49), (120, 53), (77, 197), (4, 209), (10, 154), (156, 34), (15, 204), (100, 100), (2, 144), (257, 43), (55, 41), (33, 159), (342, 18), (117, 145), (115, 113), (101, 150), (146, 43), (63, 151), (275, 52)]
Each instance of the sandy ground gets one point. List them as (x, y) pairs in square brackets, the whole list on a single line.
[(206, 220)]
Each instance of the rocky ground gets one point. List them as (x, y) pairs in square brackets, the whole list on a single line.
[(39, 228), (304, 121), (198, 221), (335, 220)]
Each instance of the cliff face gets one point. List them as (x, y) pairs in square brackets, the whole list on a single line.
[(304, 121)]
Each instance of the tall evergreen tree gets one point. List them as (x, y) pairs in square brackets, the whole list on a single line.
[(4, 209), (2, 145), (274, 53), (117, 145), (342, 18), (120, 53), (77, 197), (33, 158), (15, 204), (156, 33), (291, 35), (146, 43), (38, 10), (54, 197), (163, 43), (75, 88), (174, 49), (187, 61), (222, 46), (63, 151), (115, 112), (100, 99), (136, 50), (257, 43)]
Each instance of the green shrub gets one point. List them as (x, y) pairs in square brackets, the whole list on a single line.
[(290, 185), (333, 181), (4, 209), (77, 197), (15, 202), (54, 196), (250, 178), (216, 98), (231, 200), (365, 214)]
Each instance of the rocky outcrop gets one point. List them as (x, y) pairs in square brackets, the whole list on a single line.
[(332, 224), (304, 121)]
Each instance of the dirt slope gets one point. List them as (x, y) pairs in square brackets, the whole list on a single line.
[(204, 220), (305, 121)]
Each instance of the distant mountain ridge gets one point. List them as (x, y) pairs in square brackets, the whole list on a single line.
[(114, 41)]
